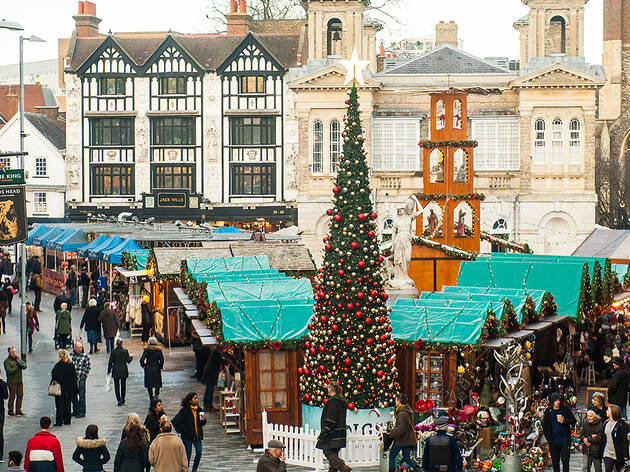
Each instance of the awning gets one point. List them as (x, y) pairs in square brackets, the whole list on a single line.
[(97, 251), (134, 276), (227, 264), (82, 251), (114, 255), (267, 289), (34, 232), (72, 241), (66, 233), (48, 235), (141, 256)]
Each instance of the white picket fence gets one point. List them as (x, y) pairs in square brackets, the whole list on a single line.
[(362, 450)]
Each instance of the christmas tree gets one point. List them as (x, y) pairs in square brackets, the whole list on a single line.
[(584, 300), (597, 288), (350, 334), (608, 283)]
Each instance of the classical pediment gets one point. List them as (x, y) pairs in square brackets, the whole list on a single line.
[(332, 77), (558, 76)]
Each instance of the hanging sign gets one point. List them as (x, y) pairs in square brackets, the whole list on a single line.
[(13, 228), (11, 177)]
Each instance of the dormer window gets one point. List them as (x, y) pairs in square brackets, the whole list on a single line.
[(335, 33), (173, 86), (111, 86), (252, 84)]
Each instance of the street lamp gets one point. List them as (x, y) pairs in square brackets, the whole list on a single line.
[(10, 25), (21, 246)]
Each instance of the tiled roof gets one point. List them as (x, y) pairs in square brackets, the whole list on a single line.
[(445, 59), (208, 50), (48, 128)]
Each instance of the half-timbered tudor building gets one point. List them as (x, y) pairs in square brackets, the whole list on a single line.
[(180, 126)]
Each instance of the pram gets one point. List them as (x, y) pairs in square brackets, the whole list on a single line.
[(61, 337)]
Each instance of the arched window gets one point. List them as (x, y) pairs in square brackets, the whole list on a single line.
[(540, 141), (335, 145), (556, 141), (318, 148), (558, 35), (575, 141), (334, 34)]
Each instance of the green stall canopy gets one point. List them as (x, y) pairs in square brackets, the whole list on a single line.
[(443, 325), (141, 255), (240, 277), (503, 256), (561, 279), (514, 294), (495, 302), (266, 289), (265, 321), (227, 264)]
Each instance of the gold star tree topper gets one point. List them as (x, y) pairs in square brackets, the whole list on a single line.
[(354, 68)]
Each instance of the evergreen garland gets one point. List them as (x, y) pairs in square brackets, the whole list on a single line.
[(585, 304), (608, 283), (597, 289)]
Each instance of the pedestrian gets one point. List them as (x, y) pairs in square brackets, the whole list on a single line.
[(558, 420), (62, 297), (599, 406), (11, 290), (152, 361), (147, 318), (37, 265), (37, 285), (84, 283), (82, 367), (101, 299), (167, 452), (110, 326), (102, 282), (14, 366), (43, 451), (273, 459), (32, 324), (333, 428), (117, 367), (133, 452), (94, 275), (210, 377), (15, 461), (92, 325), (65, 375), (618, 386), (72, 283), (91, 452), (591, 438), (403, 434), (134, 419), (201, 356), (63, 326), (155, 417), (615, 444), (189, 423), (4, 394), (4, 305), (441, 451)]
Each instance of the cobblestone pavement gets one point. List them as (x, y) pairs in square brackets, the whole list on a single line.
[(221, 452)]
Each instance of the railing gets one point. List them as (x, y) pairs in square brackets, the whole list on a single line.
[(362, 449)]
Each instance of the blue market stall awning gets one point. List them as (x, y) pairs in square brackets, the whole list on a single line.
[(266, 321), (48, 235), (227, 230), (97, 241), (112, 242), (67, 232), (34, 232), (438, 325), (114, 255), (72, 241)]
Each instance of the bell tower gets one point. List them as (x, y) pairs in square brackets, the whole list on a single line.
[(552, 28)]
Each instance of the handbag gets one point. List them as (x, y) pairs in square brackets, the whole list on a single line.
[(54, 389)]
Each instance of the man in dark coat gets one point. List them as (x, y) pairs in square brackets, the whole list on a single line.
[(210, 377), (273, 458), (333, 428), (618, 386), (147, 318), (62, 298), (110, 325), (84, 283), (152, 361), (557, 422), (4, 394), (117, 366), (442, 450)]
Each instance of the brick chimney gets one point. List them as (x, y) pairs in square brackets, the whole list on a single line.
[(238, 22), (86, 21), (446, 33), (51, 112), (13, 101)]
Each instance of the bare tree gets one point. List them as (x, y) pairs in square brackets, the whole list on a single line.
[(612, 197)]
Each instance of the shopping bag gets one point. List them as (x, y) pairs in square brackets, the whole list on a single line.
[(54, 389), (80, 337), (108, 383)]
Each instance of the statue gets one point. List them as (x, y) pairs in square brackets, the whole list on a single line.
[(403, 232), (460, 229)]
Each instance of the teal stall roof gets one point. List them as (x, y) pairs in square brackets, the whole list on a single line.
[(561, 279), (286, 289), (35, 232), (142, 257), (265, 322), (112, 242), (97, 241), (495, 303), (47, 236), (114, 254), (72, 241), (227, 264), (503, 256), (511, 293), (443, 325)]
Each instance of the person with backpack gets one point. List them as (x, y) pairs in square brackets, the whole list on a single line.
[(333, 428), (189, 423), (63, 326)]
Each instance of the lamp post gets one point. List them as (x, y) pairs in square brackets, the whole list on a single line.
[(21, 246)]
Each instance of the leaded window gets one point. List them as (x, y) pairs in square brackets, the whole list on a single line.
[(575, 141), (173, 177), (540, 141), (253, 131), (556, 141), (111, 179), (111, 86), (173, 85), (318, 148), (171, 131), (111, 132), (335, 145), (252, 84), (256, 179)]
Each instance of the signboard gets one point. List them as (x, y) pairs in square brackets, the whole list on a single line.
[(171, 199), (13, 228), (12, 176)]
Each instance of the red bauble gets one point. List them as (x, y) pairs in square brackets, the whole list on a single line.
[(380, 258), (325, 239), (348, 282), (390, 361), (313, 351), (382, 337), (342, 260), (348, 342), (350, 306), (370, 233), (373, 215), (307, 344), (361, 264), (361, 216), (360, 295), (337, 218), (344, 316), (329, 211), (373, 293), (306, 371), (311, 326), (322, 349), (322, 368), (347, 102), (341, 272), (335, 327), (323, 319), (336, 189), (369, 341), (379, 373), (345, 369), (385, 296), (347, 361), (368, 320), (390, 342), (381, 319), (350, 405), (389, 329), (300, 370), (354, 244), (358, 315), (307, 397), (328, 247)]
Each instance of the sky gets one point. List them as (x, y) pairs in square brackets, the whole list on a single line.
[(485, 26)]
